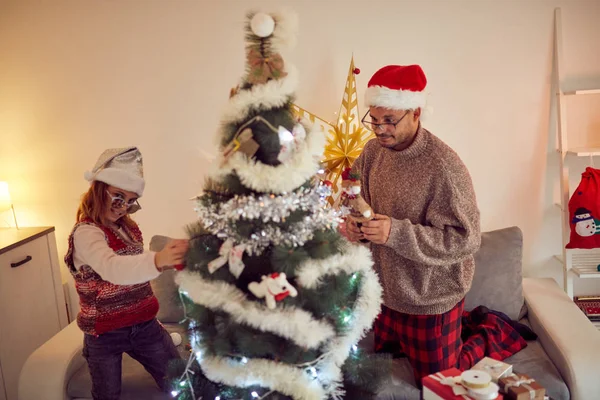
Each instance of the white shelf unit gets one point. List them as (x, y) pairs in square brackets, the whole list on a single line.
[(584, 151), (584, 263), (582, 91), (577, 263)]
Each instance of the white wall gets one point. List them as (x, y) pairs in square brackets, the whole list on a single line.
[(78, 77)]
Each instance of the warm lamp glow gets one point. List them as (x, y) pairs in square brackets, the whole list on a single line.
[(5, 203)]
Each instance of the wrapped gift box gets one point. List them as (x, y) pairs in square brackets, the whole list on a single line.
[(521, 387), (497, 369), (446, 385)]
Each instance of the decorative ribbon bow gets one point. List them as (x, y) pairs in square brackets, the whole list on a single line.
[(229, 254), (494, 367), (457, 388), (264, 68), (278, 296), (516, 381)]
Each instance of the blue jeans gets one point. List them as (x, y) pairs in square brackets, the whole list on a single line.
[(148, 343)]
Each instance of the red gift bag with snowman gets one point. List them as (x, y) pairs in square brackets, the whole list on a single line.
[(584, 212)]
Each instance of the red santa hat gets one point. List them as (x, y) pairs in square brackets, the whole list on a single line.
[(397, 87)]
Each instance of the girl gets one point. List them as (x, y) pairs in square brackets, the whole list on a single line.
[(112, 273)]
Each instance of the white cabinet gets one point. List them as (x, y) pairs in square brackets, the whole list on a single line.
[(32, 302)]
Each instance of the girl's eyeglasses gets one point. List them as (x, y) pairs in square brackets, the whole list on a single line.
[(118, 202)]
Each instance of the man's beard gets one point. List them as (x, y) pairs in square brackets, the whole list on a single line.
[(388, 143)]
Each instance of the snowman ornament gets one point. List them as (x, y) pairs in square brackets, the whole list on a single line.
[(273, 288), (585, 225)]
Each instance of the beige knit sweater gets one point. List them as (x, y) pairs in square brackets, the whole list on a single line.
[(426, 266)]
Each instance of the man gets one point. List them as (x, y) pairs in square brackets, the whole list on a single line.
[(426, 226)]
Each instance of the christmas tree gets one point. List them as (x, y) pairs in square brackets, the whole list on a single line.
[(275, 299)]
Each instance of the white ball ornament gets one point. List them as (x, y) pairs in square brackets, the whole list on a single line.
[(262, 25), (176, 338)]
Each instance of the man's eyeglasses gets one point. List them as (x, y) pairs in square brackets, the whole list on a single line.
[(118, 202), (372, 126)]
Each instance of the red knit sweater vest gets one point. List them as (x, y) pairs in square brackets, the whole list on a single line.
[(105, 306)]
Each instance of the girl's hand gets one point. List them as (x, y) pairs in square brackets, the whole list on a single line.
[(173, 254)]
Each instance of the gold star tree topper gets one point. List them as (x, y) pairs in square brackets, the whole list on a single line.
[(346, 137)]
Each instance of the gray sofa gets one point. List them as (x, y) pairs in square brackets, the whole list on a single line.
[(565, 358)]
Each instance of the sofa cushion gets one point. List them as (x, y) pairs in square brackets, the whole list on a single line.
[(497, 283), (534, 362), (136, 383), (165, 289)]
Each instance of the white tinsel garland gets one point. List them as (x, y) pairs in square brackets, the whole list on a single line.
[(291, 323), (283, 378), (351, 259)]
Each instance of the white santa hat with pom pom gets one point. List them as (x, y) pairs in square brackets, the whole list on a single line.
[(121, 168)]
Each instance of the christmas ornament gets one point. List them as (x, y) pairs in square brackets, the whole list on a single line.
[(346, 137), (273, 288), (229, 254), (299, 133), (359, 210), (243, 142), (286, 141), (176, 338), (264, 68), (325, 188), (290, 141), (262, 25)]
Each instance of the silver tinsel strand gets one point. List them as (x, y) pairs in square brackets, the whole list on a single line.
[(220, 218)]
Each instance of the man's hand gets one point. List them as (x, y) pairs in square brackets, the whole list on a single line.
[(353, 231), (378, 229)]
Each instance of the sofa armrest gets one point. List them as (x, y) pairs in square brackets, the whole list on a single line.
[(571, 341), (49, 368)]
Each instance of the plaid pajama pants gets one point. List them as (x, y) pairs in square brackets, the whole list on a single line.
[(433, 343)]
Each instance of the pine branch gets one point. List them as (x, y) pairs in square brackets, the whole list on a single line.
[(196, 230), (195, 377), (365, 373), (235, 186), (287, 259), (324, 244)]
